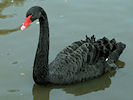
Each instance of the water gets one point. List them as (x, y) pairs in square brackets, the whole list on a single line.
[(69, 21)]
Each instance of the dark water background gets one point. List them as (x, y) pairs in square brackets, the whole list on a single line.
[(69, 21)]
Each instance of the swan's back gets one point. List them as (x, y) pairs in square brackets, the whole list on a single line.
[(84, 59)]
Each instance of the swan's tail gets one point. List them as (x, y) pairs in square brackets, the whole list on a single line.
[(114, 55)]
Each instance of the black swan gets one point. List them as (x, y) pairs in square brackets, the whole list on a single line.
[(82, 60)]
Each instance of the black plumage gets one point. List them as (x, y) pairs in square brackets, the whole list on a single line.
[(84, 59)]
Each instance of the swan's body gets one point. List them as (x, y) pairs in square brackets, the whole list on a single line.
[(78, 62)]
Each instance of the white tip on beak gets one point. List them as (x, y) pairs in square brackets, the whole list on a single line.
[(23, 27)]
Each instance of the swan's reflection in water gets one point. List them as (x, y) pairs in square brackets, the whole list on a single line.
[(100, 83)]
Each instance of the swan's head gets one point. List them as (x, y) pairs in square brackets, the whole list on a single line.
[(32, 14)]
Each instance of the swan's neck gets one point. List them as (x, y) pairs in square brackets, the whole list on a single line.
[(40, 69)]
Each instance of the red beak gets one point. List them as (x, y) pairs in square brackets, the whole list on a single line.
[(26, 22)]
